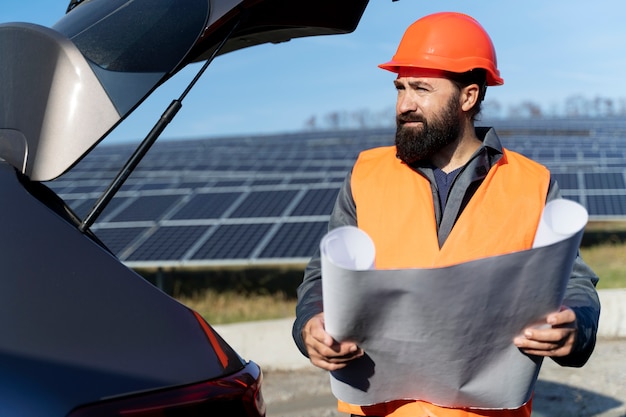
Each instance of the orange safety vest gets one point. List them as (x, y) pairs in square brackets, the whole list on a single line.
[(394, 205)]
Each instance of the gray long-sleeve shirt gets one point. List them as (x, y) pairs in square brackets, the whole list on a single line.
[(581, 295)]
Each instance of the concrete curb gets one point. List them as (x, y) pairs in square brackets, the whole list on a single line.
[(269, 343), (612, 313)]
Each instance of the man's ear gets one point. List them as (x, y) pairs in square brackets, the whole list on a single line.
[(470, 95)]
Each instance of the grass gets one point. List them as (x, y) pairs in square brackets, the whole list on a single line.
[(609, 262), (232, 307), (607, 258), (604, 250)]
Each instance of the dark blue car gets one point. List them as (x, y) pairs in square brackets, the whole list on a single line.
[(80, 333)]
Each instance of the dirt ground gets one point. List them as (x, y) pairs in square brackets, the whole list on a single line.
[(596, 390)]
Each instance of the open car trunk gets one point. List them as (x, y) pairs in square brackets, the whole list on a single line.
[(78, 327)]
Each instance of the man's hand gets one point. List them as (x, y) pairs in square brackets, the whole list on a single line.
[(556, 339), (324, 352)]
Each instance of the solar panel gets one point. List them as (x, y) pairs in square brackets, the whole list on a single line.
[(604, 181), (86, 189), (146, 208), (606, 205), (167, 243), (157, 185), (317, 201), (233, 241), (268, 198), (264, 204), (295, 240), (305, 180), (207, 206), (195, 184), (574, 197), (568, 154), (567, 181), (230, 183), (119, 238), (82, 206), (269, 181)]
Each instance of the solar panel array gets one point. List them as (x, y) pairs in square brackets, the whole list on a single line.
[(267, 199)]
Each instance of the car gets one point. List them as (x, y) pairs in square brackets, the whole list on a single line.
[(82, 334)]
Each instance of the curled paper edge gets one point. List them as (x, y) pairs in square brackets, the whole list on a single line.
[(561, 219), (349, 247)]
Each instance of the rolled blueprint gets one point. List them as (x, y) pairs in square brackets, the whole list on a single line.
[(349, 247), (444, 335), (560, 219)]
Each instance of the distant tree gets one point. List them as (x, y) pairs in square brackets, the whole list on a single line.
[(532, 109), (621, 107), (574, 106), (603, 107), (333, 120), (311, 123), (385, 117), (361, 118), (525, 110), (492, 109)]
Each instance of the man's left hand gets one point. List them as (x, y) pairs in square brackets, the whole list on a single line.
[(556, 339)]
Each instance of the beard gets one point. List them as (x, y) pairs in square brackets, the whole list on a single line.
[(421, 143)]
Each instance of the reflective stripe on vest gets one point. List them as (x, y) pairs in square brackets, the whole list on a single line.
[(395, 207)]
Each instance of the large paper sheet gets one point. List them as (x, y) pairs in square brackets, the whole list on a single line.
[(445, 335)]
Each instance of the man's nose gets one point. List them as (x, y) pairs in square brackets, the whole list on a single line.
[(406, 103)]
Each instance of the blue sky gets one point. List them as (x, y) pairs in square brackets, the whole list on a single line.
[(547, 51)]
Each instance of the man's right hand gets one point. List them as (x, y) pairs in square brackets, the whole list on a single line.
[(324, 351)]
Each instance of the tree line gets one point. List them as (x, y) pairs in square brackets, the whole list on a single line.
[(576, 106)]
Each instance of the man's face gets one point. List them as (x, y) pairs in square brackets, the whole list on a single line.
[(427, 117)]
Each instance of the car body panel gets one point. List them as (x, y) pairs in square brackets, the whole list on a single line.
[(77, 325), (53, 107)]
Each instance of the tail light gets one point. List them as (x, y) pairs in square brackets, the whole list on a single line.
[(236, 395)]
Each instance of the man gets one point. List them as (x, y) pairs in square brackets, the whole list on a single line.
[(446, 193)]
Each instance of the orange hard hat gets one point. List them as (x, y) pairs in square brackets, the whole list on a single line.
[(447, 41)]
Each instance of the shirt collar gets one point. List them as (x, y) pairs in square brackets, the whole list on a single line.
[(489, 139)]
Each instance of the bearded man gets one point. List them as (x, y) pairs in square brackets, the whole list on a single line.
[(446, 187)]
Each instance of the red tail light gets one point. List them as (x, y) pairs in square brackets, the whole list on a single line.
[(237, 395)]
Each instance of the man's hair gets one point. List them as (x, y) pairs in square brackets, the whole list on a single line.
[(476, 76)]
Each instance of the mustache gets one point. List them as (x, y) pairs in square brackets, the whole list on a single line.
[(409, 117)]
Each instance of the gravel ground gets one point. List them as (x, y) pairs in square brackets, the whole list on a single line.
[(596, 390)]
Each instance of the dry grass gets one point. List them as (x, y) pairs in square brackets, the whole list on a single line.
[(233, 307), (609, 262), (606, 254)]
